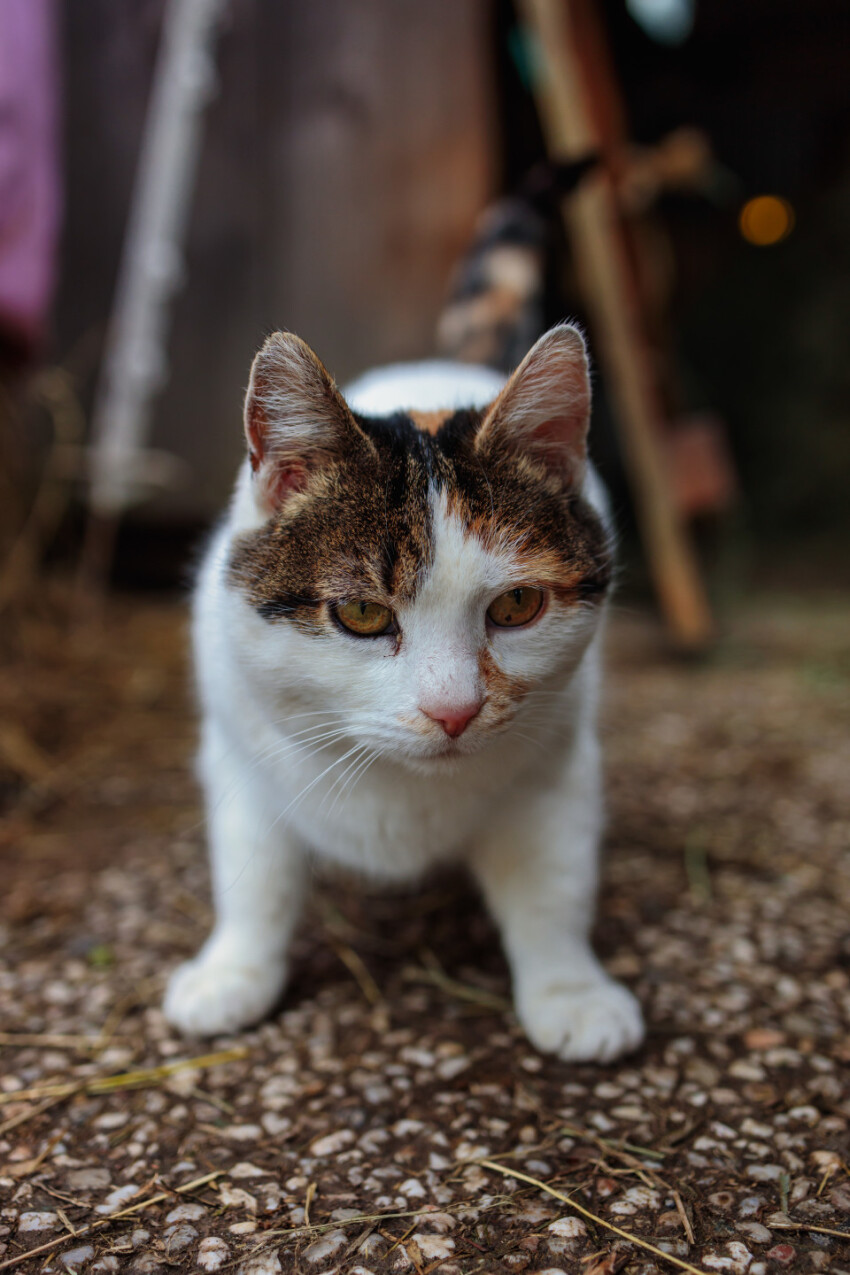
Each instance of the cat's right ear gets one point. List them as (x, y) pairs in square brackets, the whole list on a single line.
[(543, 411), (295, 419)]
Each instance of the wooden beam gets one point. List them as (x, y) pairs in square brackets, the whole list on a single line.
[(561, 31)]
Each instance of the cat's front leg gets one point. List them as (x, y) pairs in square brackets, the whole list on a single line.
[(258, 876), (537, 866)]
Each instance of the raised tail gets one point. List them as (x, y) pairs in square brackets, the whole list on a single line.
[(495, 310)]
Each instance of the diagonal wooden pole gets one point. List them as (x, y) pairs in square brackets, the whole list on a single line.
[(564, 103)]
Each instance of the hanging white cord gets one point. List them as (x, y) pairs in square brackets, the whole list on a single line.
[(135, 362)]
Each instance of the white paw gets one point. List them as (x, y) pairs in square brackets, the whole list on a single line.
[(592, 1022), (208, 996)]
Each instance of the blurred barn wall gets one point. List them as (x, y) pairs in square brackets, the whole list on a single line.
[(345, 158)]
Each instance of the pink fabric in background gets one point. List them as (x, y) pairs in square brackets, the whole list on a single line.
[(30, 194)]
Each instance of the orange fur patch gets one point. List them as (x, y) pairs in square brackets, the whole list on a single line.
[(502, 691), (429, 422)]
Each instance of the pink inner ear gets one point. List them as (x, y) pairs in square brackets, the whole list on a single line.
[(561, 440), (255, 428), (278, 477), (556, 431), (284, 480)]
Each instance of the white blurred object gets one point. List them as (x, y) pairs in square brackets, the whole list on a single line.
[(135, 363), (667, 21), (429, 386)]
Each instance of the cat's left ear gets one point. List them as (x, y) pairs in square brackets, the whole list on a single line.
[(544, 409), (295, 419)]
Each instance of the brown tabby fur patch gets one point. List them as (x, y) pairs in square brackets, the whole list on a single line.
[(362, 527)]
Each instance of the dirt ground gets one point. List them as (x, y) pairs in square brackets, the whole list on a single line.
[(348, 1133)]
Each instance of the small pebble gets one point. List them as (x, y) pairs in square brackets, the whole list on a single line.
[(213, 1253), (568, 1228), (242, 1132), (76, 1257), (118, 1198), (244, 1169), (274, 1124), (235, 1197), (782, 1253), (735, 1258), (191, 1212), (88, 1179), (332, 1143), (755, 1232), (146, 1263), (38, 1222), (763, 1038), (433, 1247), (267, 1263), (324, 1247), (177, 1237)]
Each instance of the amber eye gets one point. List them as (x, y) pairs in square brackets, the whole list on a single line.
[(366, 619), (516, 607)]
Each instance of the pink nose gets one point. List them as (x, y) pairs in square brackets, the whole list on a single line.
[(454, 721)]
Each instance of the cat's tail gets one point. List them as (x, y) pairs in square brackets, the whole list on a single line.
[(495, 310)]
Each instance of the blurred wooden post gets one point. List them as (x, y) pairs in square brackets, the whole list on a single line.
[(135, 363), (565, 53)]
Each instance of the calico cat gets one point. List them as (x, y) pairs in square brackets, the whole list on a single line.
[(397, 632)]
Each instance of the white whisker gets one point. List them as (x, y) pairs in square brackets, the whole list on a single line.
[(341, 777)]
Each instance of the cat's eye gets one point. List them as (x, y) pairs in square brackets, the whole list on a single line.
[(366, 619), (516, 607)]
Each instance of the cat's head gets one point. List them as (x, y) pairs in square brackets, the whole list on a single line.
[(417, 577)]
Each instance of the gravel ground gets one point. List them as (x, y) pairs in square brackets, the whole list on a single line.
[(347, 1134)]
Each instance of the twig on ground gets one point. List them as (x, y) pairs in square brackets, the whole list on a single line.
[(784, 1188), (24, 1168), (24, 1116), (401, 1238), (359, 1240), (226, 1108), (697, 868), (67, 1223), (125, 1080), (356, 967), (674, 1139), (622, 1151), (23, 754), (107, 1221), (114, 1017), (293, 1231), (432, 972), (806, 1226), (594, 1217), (308, 1200), (26, 1040), (338, 925), (612, 1143), (686, 1221)]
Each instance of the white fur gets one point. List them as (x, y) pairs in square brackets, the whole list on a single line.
[(328, 752)]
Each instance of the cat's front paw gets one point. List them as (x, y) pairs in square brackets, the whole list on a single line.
[(209, 996), (592, 1022)]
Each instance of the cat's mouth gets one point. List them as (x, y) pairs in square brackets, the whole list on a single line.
[(431, 748), (441, 751)]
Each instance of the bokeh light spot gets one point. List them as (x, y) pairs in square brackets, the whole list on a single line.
[(765, 220)]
